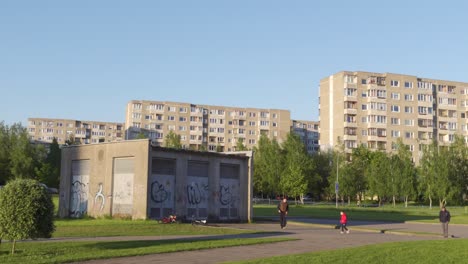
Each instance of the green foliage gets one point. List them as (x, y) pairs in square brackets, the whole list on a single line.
[(268, 162), (297, 167), (49, 172), (26, 211), (173, 140), (240, 145), (141, 135), (18, 157), (379, 175)]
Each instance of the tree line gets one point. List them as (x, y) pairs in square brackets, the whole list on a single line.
[(21, 159), (287, 169)]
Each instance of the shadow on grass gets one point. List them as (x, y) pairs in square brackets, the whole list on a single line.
[(174, 242)]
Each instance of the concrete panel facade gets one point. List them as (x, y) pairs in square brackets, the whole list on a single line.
[(137, 180)]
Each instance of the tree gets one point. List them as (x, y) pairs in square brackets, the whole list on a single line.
[(49, 172), (173, 140), (18, 157), (427, 172), (379, 176), (458, 164), (26, 211), (297, 167), (404, 172), (318, 184), (268, 166), (240, 145)]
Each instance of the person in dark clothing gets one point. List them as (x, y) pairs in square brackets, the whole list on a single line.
[(283, 208), (444, 218)]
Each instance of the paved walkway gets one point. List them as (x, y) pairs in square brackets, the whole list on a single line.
[(312, 234)]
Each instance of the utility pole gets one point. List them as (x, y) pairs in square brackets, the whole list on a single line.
[(336, 183)]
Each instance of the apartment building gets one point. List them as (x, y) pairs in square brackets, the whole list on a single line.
[(213, 128), (375, 109), (83, 132), (308, 131)]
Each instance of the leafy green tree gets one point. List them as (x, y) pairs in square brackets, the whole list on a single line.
[(5, 149), (458, 164), (240, 145), (18, 157), (49, 172), (268, 166), (26, 211), (318, 184), (360, 159), (427, 172), (173, 140), (24, 156), (404, 172), (297, 167), (379, 176)]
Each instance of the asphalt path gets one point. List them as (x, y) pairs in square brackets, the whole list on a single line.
[(311, 234)]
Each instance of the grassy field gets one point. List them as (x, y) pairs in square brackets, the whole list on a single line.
[(117, 227), (386, 213), (60, 252), (415, 252)]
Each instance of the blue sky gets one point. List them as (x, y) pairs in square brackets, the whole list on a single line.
[(87, 59)]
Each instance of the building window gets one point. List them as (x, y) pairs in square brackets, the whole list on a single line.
[(408, 97), (394, 83), (409, 85), (395, 108), (395, 96), (408, 109), (364, 107)]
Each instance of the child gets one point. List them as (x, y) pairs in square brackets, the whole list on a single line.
[(343, 222)]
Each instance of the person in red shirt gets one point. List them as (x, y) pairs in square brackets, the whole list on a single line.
[(343, 222)]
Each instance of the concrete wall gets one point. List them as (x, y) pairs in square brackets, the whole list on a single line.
[(88, 180), (204, 185), (134, 179)]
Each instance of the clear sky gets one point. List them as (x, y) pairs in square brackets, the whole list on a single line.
[(86, 59)]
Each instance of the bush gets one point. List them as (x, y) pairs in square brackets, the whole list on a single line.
[(26, 211)]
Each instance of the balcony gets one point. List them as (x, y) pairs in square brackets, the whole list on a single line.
[(351, 111), (350, 124), (349, 137)]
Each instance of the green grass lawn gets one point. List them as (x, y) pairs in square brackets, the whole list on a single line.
[(117, 227), (386, 213), (414, 252), (60, 252)]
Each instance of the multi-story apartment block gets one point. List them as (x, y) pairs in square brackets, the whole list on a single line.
[(214, 128), (308, 131), (83, 132), (375, 109)]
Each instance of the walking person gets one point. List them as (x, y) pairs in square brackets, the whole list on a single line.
[(343, 222), (283, 208), (444, 218)]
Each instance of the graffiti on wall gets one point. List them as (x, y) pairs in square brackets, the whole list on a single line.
[(158, 192), (100, 199), (229, 198), (196, 193), (79, 197), (161, 195), (225, 195)]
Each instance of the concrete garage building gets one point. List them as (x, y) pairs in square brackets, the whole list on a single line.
[(137, 180)]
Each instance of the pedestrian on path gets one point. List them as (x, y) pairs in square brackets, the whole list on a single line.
[(444, 218), (283, 208), (343, 222)]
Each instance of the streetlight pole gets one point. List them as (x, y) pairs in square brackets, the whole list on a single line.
[(336, 183)]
